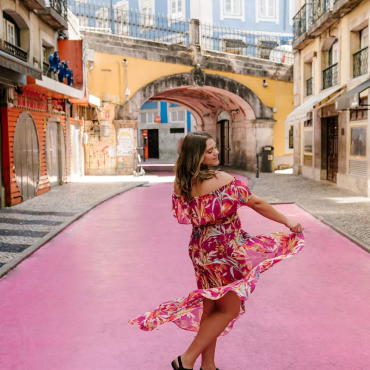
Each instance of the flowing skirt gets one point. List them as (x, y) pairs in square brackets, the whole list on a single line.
[(236, 272)]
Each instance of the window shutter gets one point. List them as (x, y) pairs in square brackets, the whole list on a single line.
[(263, 12), (271, 8), (237, 6)]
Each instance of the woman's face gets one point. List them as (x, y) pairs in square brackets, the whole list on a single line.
[(211, 154)]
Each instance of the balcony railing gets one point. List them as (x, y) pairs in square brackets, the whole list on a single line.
[(360, 62), (330, 76), (300, 22), (45, 69), (60, 6), (309, 84), (319, 7), (14, 50)]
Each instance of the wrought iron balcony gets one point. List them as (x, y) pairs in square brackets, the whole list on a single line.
[(360, 62), (60, 6), (330, 76), (309, 84), (300, 22), (14, 50), (319, 8), (55, 14)]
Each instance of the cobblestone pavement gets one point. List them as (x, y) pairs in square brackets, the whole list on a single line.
[(27, 223), (347, 211)]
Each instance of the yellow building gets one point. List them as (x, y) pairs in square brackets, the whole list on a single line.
[(331, 81), (242, 101)]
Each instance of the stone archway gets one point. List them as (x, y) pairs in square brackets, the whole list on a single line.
[(243, 96), (206, 96)]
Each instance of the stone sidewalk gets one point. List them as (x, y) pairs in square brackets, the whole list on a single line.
[(26, 226), (347, 212)]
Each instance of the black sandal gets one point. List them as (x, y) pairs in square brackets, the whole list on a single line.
[(180, 367)]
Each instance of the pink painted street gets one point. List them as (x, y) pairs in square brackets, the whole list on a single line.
[(67, 306)]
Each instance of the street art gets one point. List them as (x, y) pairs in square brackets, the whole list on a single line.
[(125, 139)]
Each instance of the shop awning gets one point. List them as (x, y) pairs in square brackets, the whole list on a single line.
[(302, 113), (351, 99), (90, 99), (19, 66)]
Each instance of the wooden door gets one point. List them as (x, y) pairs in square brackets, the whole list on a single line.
[(26, 156), (332, 148)]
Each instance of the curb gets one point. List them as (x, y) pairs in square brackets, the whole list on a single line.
[(52, 234), (349, 236), (352, 238)]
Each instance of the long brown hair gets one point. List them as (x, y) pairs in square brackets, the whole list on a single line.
[(189, 168)]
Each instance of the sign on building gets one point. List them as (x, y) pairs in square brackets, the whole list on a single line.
[(125, 139)]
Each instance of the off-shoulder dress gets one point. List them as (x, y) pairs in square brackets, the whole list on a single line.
[(225, 257)]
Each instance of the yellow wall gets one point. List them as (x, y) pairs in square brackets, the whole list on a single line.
[(107, 76)]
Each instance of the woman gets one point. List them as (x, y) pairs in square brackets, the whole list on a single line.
[(226, 259)]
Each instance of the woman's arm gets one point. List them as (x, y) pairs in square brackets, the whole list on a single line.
[(265, 209)]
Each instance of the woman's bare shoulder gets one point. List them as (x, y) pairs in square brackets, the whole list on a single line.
[(221, 179)]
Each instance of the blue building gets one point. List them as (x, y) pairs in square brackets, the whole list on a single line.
[(256, 28)]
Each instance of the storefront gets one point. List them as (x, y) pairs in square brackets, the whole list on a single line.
[(353, 117), (34, 145)]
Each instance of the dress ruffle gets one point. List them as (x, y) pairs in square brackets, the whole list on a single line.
[(186, 312)]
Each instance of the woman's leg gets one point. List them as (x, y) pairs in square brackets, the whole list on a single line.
[(227, 308), (208, 355)]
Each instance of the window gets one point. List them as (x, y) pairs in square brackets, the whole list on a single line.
[(267, 9), (291, 137), (177, 130), (232, 7), (83, 21), (177, 8), (333, 54), (147, 6), (122, 17), (178, 116), (9, 32), (102, 18), (364, 38), (148, 118)]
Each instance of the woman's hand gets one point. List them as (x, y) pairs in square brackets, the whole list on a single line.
[(294, 226)]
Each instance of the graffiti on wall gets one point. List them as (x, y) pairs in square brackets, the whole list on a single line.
[(101, 146)]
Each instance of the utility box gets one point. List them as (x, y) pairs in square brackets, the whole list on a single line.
[(267, 158)]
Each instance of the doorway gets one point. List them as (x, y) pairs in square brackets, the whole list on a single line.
[(224, 142), (55, 152), (153, 146), (26, 154), (76, 150), (332, 148)]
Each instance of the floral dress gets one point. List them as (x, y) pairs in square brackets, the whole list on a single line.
[(225, 258)]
